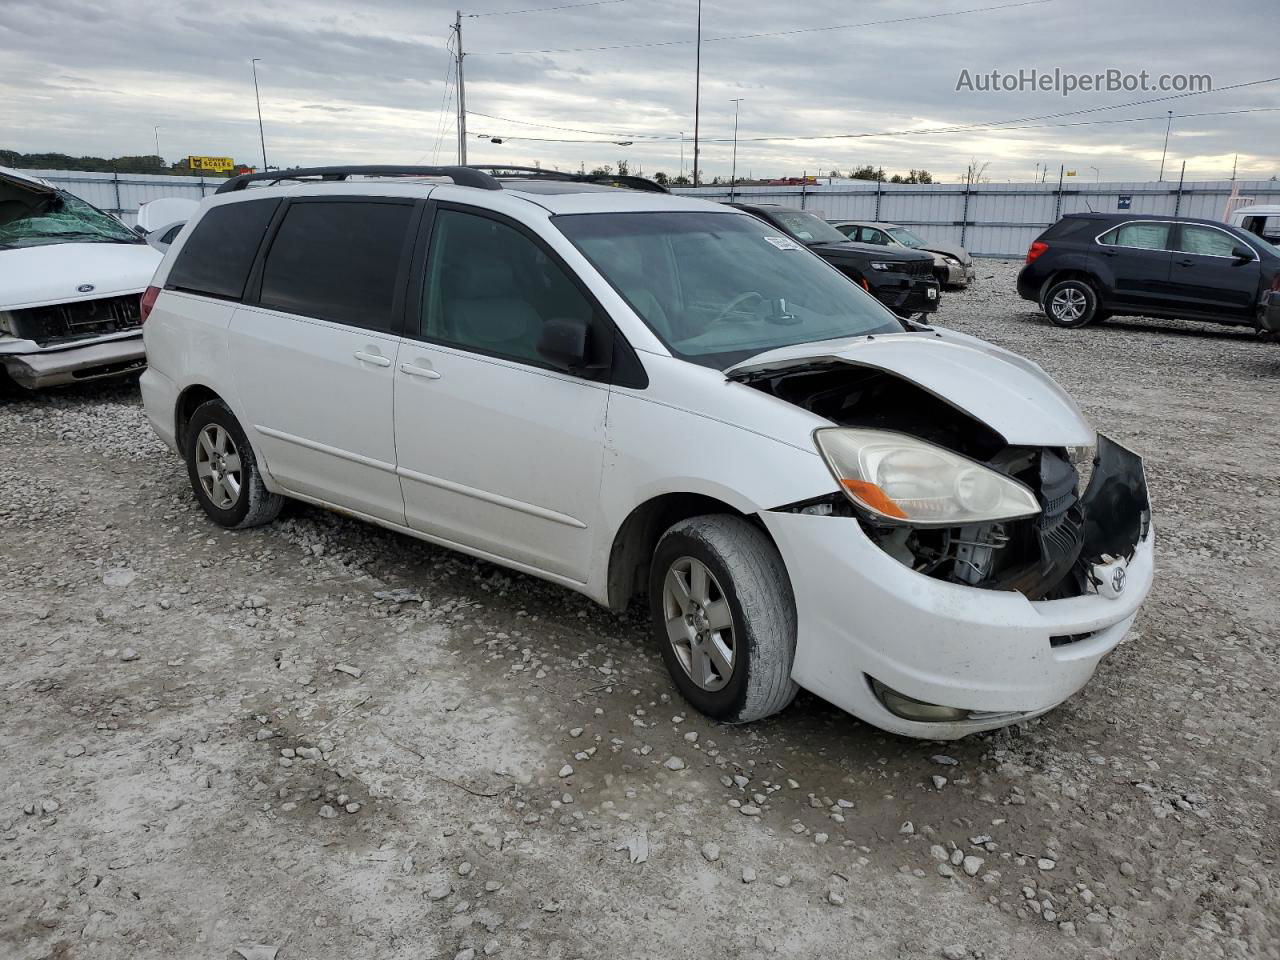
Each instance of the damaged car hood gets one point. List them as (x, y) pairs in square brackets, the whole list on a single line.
[(61, 272), (1008, 393)]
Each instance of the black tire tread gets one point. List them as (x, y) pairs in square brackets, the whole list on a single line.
[(263, 505)]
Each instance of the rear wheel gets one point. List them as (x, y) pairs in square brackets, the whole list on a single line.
[(724, 616), (224, 471), (1071, 304)]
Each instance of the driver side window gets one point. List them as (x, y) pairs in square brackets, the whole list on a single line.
[(490, 288)]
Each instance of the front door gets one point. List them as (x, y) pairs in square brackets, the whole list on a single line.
[(498, 450), (314, 357), (1208, 278)]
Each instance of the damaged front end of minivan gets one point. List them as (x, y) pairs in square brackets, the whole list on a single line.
[(1085, 508)]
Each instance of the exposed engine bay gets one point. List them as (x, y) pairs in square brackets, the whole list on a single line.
[(1055, 554)]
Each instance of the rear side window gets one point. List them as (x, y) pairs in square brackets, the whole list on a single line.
[(216, 258), (1206, 241), (339, 261), (1144, 236)]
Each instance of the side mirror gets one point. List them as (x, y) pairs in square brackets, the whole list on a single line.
[(1242, 254), (564, 342)]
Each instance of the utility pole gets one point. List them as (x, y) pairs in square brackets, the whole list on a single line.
[(1168, 127), (733, 177), (158, 145), (258, 99), (462, 95), (697, 93)]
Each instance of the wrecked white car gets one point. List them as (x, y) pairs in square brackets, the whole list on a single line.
[(71, 278), (630, 393)]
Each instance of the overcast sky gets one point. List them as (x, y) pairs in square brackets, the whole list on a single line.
[(365, 82)]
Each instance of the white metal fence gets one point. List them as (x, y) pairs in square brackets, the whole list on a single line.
[(996, 219), (989, 219)]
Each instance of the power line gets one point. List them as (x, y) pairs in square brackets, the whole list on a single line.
[(549, 126), (567, 6), (959, 127), (444, 102), (776, 33), (998, 128)]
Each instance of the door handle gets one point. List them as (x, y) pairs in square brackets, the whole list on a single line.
[(415, 371), (1186, 263), (376, 359)]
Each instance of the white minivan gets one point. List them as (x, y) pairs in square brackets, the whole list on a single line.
[(630, 393)]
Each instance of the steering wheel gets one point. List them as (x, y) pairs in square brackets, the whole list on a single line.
[(736, 303)]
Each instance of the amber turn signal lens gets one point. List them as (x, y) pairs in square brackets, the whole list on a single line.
[(873, 497)]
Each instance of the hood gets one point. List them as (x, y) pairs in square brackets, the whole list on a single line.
[(54, 273), (1007, 392), (18, 182), (164, 212), (863, 250), (953, 249)]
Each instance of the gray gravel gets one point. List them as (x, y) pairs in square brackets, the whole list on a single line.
[(337, 741)]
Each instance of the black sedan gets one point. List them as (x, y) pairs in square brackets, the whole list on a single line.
[(901, 279)]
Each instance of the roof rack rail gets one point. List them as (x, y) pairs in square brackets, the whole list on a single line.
[(619, 180), (463, 176)]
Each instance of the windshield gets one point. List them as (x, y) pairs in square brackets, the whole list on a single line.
[(805, 227), (905, 237), (60, 218), (718, 288)]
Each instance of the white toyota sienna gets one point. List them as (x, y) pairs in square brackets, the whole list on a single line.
[(628, 393)]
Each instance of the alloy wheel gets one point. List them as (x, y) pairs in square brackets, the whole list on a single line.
[(1069, 305), (218, 466), (699, 623)]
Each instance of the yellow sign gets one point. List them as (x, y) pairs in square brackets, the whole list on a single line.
[(1071, 173), (216, 164)]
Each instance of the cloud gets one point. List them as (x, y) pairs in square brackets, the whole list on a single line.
[(367, 82)]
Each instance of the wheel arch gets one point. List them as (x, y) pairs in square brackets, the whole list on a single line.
[(189, 400), (637, 536)]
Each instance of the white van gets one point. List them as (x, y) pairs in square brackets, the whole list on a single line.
[(1262, 220), (71, 279), (630, 393)]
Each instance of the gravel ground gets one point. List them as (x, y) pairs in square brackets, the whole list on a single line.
[(335, 741)]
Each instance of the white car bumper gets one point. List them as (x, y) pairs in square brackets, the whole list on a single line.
[(864, 615), (34, 367)]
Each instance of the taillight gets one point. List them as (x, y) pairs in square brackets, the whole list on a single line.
[(1035, 250), (149, 301), (1275, 282)]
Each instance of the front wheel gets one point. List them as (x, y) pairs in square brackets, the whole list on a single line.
[(1071, 304), (724, 617), (224, 471)]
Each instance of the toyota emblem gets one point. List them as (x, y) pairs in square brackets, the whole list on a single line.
[(85, 288), (1117, 580)]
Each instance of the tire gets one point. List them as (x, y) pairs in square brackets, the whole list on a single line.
[(747, 583), (1071, 304), (230, 490)]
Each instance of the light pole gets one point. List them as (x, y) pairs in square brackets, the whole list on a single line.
[(733, 176), (697, 93), (1167, 128), (258, 100), (158, 143), (1097, 174)]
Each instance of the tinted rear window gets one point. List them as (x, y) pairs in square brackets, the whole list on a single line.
[(219, 253), (338, 261)]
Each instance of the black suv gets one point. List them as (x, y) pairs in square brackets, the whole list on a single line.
[(900, 279), (1088, 266)]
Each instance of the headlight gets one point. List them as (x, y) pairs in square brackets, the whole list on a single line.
[(900, 478), (883, 265), (951, 260)]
